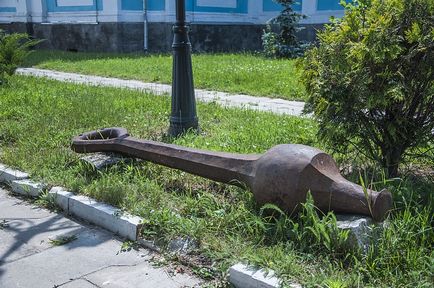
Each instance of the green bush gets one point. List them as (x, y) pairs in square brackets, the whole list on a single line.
[(283, 44), (14, 48), (370, 80)]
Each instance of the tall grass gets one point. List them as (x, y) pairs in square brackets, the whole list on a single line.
[(235, 73)]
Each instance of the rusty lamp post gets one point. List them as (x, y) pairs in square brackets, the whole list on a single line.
[(183, 116)]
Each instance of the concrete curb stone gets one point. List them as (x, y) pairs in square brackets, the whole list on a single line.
[(244, 276), (98, 213), (61, 197), (27, 187), (7, 175)]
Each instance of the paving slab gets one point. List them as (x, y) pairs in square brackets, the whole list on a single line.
[(29, 259), (141, 275), (79, 283)]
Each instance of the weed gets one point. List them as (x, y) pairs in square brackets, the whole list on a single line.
[(62, 240), (47, 201), (127, 246), (3, 224)]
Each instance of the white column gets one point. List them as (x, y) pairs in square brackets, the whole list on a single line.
[(255, 10), (170, 11), (111, 11), (21, 14), (309, 7)]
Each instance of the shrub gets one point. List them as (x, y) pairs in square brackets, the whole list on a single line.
[(370, 81), (14, 48), (283, 44)]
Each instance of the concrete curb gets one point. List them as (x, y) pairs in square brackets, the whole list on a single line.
[(27, 187), (244, 276), (7, 175), (100, 214)]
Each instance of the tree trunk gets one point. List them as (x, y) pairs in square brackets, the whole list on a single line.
[(391, 160)]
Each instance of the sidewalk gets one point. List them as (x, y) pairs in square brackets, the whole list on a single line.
[(29, 259), (278, 106)]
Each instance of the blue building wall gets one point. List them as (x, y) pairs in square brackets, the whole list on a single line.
[(217, 25), (240, 7)]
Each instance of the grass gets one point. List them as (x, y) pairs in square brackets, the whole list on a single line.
[(62, 240), (235, 73), (39, 117)]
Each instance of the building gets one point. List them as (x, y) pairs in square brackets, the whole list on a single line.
[(137, 25)]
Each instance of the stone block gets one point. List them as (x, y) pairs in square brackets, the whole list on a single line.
[(183, 245), (27, 187), (7, 175), (100, 214), (105, 216), (244, 276), (101, 161), (360, 230), (61, 197)]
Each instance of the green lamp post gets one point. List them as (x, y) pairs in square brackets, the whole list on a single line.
[(183, 116)]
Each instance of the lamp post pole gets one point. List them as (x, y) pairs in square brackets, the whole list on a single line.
[(183, 116)]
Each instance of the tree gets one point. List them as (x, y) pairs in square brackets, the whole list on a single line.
[(283, 44), (371, 79)]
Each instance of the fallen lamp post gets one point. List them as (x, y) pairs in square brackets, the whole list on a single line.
[(282, 176)]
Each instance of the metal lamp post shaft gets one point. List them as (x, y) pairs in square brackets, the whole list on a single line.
[(183, 115)]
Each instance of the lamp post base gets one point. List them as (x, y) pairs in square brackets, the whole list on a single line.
[(178, 128)]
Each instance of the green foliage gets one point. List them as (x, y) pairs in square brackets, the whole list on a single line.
[(283, 44), (14, 48), (371, 79), (310, 231), (62, 240)]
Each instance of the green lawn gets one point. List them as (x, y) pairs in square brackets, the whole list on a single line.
[(39, 117), (235, 73)]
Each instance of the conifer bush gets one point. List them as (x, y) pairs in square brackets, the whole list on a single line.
[(284, 43)]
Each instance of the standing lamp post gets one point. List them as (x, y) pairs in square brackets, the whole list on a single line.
[(183, 116)]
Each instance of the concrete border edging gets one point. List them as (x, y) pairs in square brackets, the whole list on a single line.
[(98, 213), (27, 187), (7, 175), (244, 276)]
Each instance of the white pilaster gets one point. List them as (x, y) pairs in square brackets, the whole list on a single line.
[(21, 14), (111, 11)]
